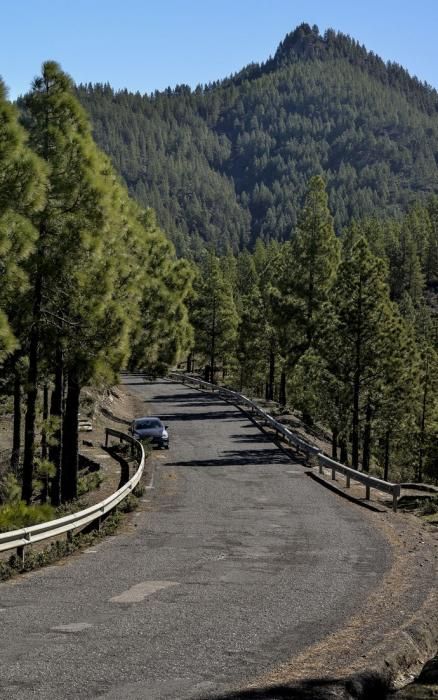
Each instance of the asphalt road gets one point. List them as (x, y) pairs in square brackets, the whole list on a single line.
[(236, 562)]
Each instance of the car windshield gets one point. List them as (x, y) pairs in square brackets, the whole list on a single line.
[(148, 424)]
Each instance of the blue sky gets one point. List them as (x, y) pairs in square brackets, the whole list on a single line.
[(149, 44)]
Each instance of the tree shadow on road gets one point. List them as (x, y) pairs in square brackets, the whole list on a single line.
[(256, 437), (193, 399), (184, 417), (367, 685), (233, 458)]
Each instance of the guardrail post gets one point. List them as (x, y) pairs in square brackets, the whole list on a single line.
[(368, 490), (348, 480), (333, 474), (321, 470), (20, 553)]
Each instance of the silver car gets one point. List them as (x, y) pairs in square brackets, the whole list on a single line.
[(150, 427)]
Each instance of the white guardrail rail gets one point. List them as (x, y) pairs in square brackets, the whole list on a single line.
[(19, 539), (300, 444)]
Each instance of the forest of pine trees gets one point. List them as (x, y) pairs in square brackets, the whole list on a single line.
[(90, 283), (342, 330), (228, 163)]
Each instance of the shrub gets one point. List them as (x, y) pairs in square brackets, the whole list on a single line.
[(14, 516), (430, 507), (89, 482), (10, 491)]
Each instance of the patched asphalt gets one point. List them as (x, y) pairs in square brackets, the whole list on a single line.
[(236, 562)]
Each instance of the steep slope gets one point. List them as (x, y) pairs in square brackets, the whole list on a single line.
[(228, 162)]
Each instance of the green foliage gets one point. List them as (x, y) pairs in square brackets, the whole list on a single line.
[(214, 316), (91, 282), (305, 275), (229, 162), (430, 507), (353, 339), (10, 490), (56, 550), (21, 183), (16, 515), (89, 482)]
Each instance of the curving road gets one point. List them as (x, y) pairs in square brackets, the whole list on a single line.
[(237, 562)]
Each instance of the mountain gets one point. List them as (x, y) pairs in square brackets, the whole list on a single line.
[(227, 163)]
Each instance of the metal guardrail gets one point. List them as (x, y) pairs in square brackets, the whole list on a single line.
[(18, 539), (300, 444)]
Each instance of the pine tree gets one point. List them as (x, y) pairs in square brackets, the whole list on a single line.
[(21, 193), (214, 317), (308, 269), (360, 314), (72, 215)]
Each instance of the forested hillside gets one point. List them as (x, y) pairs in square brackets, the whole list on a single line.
[(338, 328), (226, 164)]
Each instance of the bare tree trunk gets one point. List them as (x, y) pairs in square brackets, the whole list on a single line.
[(344, 450), (356, 389), (45, 489), (32, 394), (387, 453), (55, 450), (335, 443), (366, 454), (16, 437), (423, 425), (189, 363), (282, 394), (45, 417), (355, 425), (270, 389), (213, 344), (70, 439)]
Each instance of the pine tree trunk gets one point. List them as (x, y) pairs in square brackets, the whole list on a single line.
[(387, 453), (16, 438), (335, 443), (307, 418), (270, 391), (282, 394), (32, 395), (45, 417), (344, 451), (213, 345), (189, 363), (356, 387), (355, 425), (45, 489), (367, 439), (70, 439), (55, 450), (423, 426)]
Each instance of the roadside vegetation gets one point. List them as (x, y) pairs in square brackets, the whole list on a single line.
[(343, 330), (38, 558), (90, 284)]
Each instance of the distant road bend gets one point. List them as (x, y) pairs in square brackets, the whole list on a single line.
[(237, 562)]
